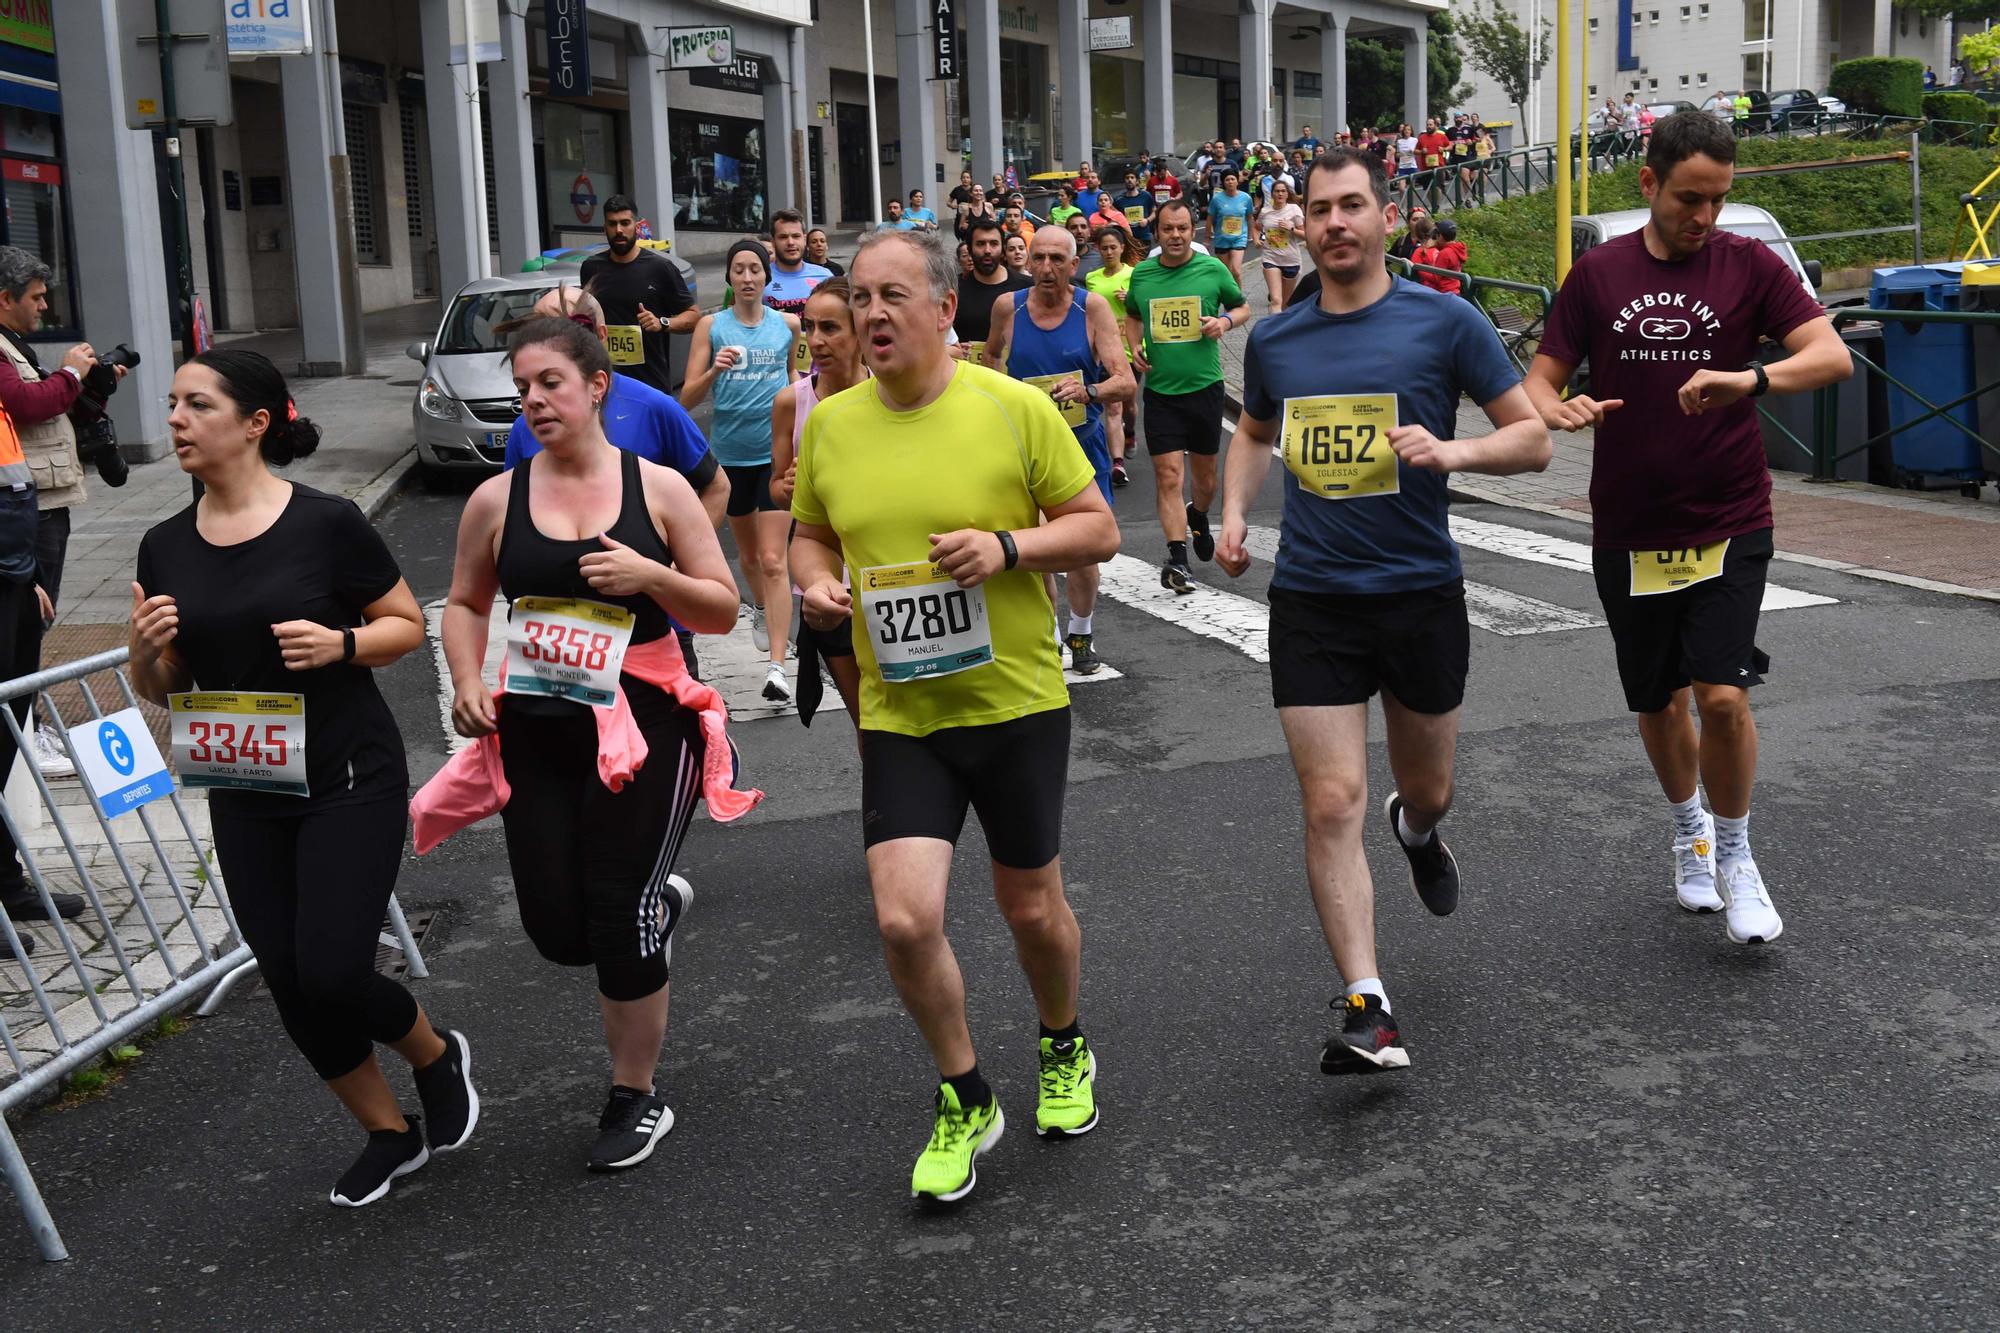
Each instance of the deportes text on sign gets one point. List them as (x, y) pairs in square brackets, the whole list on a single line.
[(120, 765)]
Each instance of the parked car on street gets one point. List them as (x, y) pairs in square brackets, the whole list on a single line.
[(1801, 108), (465, 402), (1743, 219), (1720, 105)]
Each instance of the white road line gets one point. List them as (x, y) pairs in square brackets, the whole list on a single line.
[(496, 648), (1522, 544), (1239, 622), (1492, 609)]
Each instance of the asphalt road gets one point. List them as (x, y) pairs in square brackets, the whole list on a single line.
[(1614, 1118)]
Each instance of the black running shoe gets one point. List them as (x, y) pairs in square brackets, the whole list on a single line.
[(390, 1153), (450, 1100), (24, 904), (7, 954), (1199, 537), (1367, 1043), (1433, 869), (632, 1125), (1083, 658), (1176, 577)]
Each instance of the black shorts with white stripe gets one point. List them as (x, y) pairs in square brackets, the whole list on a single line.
[(590, 865)]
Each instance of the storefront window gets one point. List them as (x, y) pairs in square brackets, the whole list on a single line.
[(718, 172), (1024, 105), (580, 171), (34, 217), (1118, 109)]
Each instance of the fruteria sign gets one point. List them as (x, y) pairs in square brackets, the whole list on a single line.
[(268, 27), (28, 23), (701, 48)]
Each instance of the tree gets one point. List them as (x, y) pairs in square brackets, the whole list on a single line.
[(1981, 53), (1499, 49), (1375, 76)]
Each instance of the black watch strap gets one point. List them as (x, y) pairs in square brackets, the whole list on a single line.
[(1763, 378), (346, 645), (1010, 553)]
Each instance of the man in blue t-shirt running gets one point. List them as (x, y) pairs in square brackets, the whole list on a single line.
[(1366, 594)]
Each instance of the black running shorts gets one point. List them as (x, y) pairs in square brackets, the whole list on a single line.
[(1705, 632), (1013, 774), (1184, 421), (1329, 649), (750, 490)]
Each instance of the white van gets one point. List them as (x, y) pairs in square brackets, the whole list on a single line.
[(1743, 219)]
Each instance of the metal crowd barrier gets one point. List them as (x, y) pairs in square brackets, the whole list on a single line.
[(155, 955)]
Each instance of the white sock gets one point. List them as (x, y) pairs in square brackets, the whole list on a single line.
[(1732, 838), (1081, 624), (1371, 986), (1410, 837), (1687, 815)]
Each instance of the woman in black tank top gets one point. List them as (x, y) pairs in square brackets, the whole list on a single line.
[(585, 522)]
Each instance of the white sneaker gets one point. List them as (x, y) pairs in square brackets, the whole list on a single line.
[(49, 757), (775, 688), (1749, 915), (1694, 869), (759, 633)]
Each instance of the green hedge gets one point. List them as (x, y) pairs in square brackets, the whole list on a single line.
[(1956, 106), (1882, 84), (1512, 239)]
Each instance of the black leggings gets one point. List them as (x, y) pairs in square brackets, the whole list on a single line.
[(590, 865), (310, 893)]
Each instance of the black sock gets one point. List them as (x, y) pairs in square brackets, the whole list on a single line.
[(1177, 553), (971, 1088), (1070, 1033), (1197, 518)]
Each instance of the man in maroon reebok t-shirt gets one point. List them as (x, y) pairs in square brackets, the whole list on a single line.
[(1670, 318)]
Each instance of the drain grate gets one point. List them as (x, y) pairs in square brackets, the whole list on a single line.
[(389, 961)]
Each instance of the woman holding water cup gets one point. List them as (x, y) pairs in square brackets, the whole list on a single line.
[(742, 354)]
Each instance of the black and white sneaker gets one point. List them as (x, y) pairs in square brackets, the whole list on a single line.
[(632, 1125), (1433, 869), (450, 1100), (1199, 537), (390, 1153), (1368, 1041), (7, 954), (1176, 577)]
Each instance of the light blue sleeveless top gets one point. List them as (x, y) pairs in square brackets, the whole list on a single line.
[(740, 434)]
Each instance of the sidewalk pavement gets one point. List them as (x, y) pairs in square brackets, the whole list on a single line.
[(1938, 540)]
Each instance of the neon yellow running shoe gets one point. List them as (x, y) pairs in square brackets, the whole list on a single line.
[(949, 1166), (1068, 1104)]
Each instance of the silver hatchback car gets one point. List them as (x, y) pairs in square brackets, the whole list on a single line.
[(466, 403)]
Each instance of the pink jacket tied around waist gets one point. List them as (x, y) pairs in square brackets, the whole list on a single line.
[(473, 784)]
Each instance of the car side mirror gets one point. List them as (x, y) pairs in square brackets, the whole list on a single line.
[(419, 351), (1813, 273)]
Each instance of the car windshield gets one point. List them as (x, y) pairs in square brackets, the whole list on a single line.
[(1768, 233), (469, 327)]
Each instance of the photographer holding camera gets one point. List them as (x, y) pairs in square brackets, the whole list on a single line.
[(40, 404)]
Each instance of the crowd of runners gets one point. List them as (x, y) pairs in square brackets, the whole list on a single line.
[(914, 453)]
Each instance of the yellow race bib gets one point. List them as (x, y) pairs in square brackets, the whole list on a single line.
[(1073, 414), (1655, 572), (1136, 214), (1232, 225), (1175, 319), (626, 343), (801, 357), (975, 352), (1337, 445), (1277, 237)]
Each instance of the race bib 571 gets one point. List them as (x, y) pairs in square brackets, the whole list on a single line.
[(1655, 572)]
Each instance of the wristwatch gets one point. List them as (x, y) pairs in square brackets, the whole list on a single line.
[(1010, 554), (1763, 379), (1090, 393)]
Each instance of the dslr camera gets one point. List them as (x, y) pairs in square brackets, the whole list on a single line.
[(96, 439)]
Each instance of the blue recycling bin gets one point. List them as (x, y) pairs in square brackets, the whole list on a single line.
[(1936, 361)]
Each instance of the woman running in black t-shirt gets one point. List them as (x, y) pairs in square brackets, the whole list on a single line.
[(594, 548), (274, 600)]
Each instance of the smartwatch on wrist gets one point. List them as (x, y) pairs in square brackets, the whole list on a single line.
[(346, 645), (1010, 553)]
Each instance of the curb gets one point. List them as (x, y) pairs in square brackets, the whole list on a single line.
[(375, 496)]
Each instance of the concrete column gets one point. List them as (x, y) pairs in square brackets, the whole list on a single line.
[(780, 190), (453, 205), (1885, 29), (1333, 75), (652, 169), (123, 297), (1073, 82), (797, 127), (515, 190), (1416, 75), (982, 88), (1253, 53), (310, 104), (1158, 46), (916, 108)]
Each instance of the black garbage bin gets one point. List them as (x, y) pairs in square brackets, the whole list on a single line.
[(1860, 412)]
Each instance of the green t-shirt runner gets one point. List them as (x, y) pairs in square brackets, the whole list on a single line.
[(1170, 304)]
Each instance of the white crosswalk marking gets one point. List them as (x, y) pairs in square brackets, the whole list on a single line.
[(1522, 544), (1241, 623), (1495, 610)]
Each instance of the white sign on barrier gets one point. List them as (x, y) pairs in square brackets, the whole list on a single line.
[(119, 762)]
